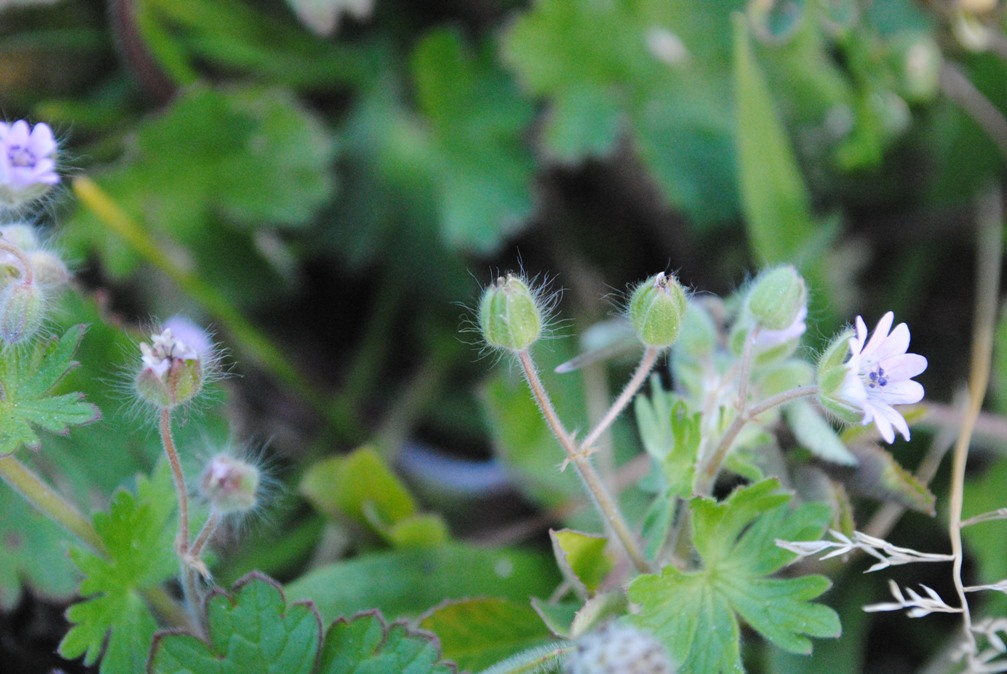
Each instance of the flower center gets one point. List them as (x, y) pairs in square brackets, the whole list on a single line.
[(21, 157), (876, 377)]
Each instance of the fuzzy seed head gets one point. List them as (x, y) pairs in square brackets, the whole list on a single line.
[(509, 314), (230, 485), (656, 309), (619, 649)]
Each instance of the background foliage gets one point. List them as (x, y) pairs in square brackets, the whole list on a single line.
[(326, 183)]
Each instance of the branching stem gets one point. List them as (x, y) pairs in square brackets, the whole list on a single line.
[(710, 469), (592, 481)]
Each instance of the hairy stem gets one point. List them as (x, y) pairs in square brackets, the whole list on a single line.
[(592, 482), (190, 582), (196, 551), (636, 381), (168, 441)]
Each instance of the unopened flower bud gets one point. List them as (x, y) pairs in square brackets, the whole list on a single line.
[(20, 234), (230, 484), (777, 297), (656, 309), (509, 314), (172, 372), (49, 270), (619, 649), (22, 310)]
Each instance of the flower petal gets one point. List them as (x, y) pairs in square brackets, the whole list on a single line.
[(899, 393), (879, 336), (906, 366)]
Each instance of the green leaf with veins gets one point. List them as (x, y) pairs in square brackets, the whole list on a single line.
[(251, 632), (697, 613), (138, 534), (27, 375)]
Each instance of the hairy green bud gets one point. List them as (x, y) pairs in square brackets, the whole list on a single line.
[(22, 310), (777, 297), (50, 271), (656, 309), (509, 314)]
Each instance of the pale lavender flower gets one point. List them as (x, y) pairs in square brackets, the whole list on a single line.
[(27, 161), (879, 375)]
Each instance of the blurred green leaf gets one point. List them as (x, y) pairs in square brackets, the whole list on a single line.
[(777, 204), (477, 123), (209, 171), (361, 488), (412, 581), (816, 434), (604, 84), (364, 644), (477, 633), (878, 475), (349, 485), (582, 558), (238, 37), (252, 631), (29, 536)]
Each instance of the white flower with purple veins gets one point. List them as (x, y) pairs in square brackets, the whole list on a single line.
[(879, 375), (27, 161)]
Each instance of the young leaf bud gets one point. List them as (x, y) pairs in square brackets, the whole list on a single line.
[(834, 391), (22, 310), (777, 297), (172, 372), (619, 649), (509, 314), (656, 308), (230, 485)]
